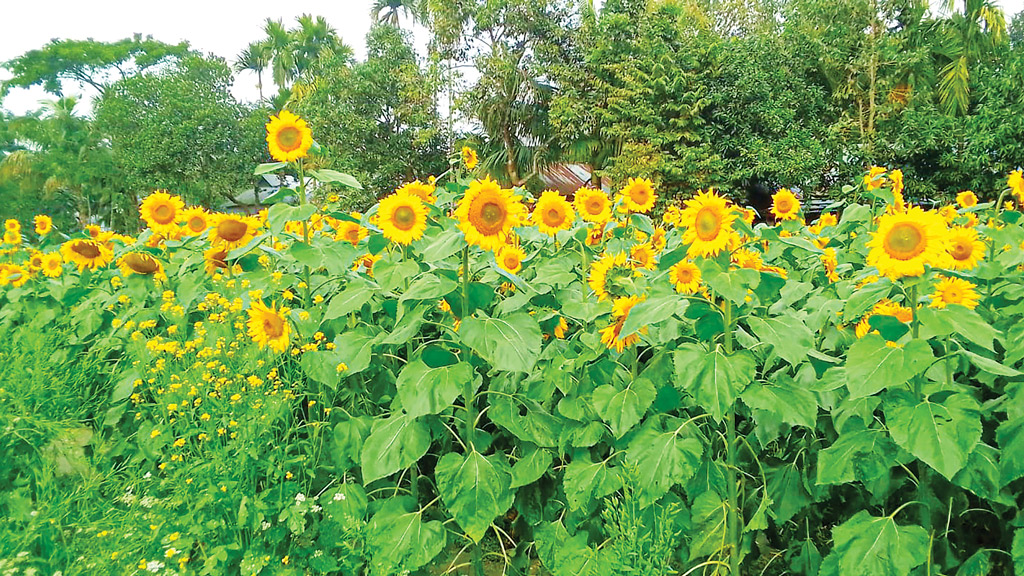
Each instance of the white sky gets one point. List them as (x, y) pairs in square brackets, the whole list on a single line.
[(223, 28)]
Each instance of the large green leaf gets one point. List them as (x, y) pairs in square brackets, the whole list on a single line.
[(941, 433), (789, 402), (622, 409), (475, 489), (870, 546), (710, 520), (957, 320), (1017, 550), (1010, 436), (530, 468), (429, 287), (662, 459), (441, 244), (322, 366), (348, 300), (713, 378), (653, 310), (586, 481), (426, 390), (788, 335), (399, 540), (864, 298), (872, 365), (863, 455), (510, 343), (355, 349), (394, 443), (981, 474)]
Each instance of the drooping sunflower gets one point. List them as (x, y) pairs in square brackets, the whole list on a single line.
[(510, 258), (52, 267), (86, 253), (552, 213), (288, 137), (638, 195), (964, 247), (348, 231), (162, 212), (469, 157), (966, 199), (875, 178), (232, 230), (612, 335), (417, 188), (593, 205), (196, 221), (883, 308), (268, 326), (44, 224), (785, 205), (215, 259), (487, 214), (1015, 182), (896, 182), (140, 263), (954, 291), (708, 220), (906, 241), (686, 277), (402, 217), (607, 274)]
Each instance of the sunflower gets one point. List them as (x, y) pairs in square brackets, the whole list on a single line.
[(232, 230), (196, 221), (12, 237), (906, 241), (560, 328), (708, 222), (964, 248), (552, 213), (1015, 182), (785, 205), (593, 205), (607, 274), (595, 234), (348, 231), (948, 213), (35, 262), (643, 256), (638, 195), (827, 219), (673, 216), (487, 214), (612, 335), (967, 199), (658, 240), (12, 225), (896, 182), (51, 266), (417, 188), (469, 157), (94, 230), (14, 275), (268, 326), (162, 212), (829, 261), (402, 217), (749, 259), (365, 262), (86, 253), (140, 263), (883, 308), (510, 258), (288, 137), (875, 178), (215, 259), (44, 224), (954, 291), (686, 277)]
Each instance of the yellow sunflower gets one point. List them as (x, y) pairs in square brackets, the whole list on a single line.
[(35, 262), (510, 258), (638, 195), (469, 157), (140, 263), (288, 137), (948, 213), (14, 275), (954, 291), (365, 262), (827, 219), (896, 182), (12, 237), (612, 335), (829, 261), (1015, 182), (417, 188), (708, 220), (196, 221), (883, 308), (12, 225), (906, 241), (348, 231), (673, 216), (593, 205), (44, 224), (964, 247), (94, 230), (560, 329), (232, 230), (686, 277), (215, 259), (552, 213), (607, 274), (875, 178), (785, 205), (487, 214), (52, 265), (162, 212), (86, 253), (595, 234), (268, 326), (967, 199), (402, 217), (643, 256)]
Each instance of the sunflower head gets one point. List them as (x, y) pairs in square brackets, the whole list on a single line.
[(510, 258), (611, 275), (1015, 182), (402, 217), (52, 265), (44, 224), (232, 230), (638, 195), (216, 259), (12, 224), (86, 253), (552, 213), (875, 178), (487, 214), (140, 263), (593, 205), (906, 241), (785, 205), (708, 220), (348, 231), (14, 275), (612, 335), (954, 291), (425, 192), (829, 261), (966, 199), (964, 248), (365, 262), (288, 137), (469, 157), (196, 220), (162, 212), (12, 237), (883, 308), (268, 327), (643, 256), (686, 277)]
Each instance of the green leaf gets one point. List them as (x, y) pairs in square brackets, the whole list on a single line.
[(957, 320), (652, 311), (426, 390), (989, 365), (586, 481), (981, 474), (979, 564), (870, 546), (394, 443), (864, 298), (474, 489), (390, 274), (942, 434), (714, 379), (794, 405), (349, 436), (1010, 436), (710, 520), (1017, 550), (530, 468), (429, 287), (268, 168), (662, 459), (622, 409), (334, 177), (872, 365), (731, 284), (440, 245), (788, 335), (787, 491), (399, 540), (322, 366), (537, 425), (862, 455), (349, 300), (306, 255), (511, 343), (355, 350)]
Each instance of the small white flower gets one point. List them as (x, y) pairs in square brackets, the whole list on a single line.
[(316, 508), (265, 525), (300, 497), (339, 496), (154, 566)]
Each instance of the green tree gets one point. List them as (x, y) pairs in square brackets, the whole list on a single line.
[(960, 42), (254, 58)]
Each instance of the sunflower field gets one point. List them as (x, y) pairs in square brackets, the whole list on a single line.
[(469, 380)]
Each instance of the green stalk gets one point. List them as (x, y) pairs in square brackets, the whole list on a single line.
[(923, 488), (732, 521), (470, 400), (305, 231)]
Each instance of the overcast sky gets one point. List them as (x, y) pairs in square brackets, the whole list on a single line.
[(223, 28)]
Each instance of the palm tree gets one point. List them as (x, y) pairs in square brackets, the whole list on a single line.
[(386, 11), (315, 40), (281, 50), (255, 58), (961, 41)]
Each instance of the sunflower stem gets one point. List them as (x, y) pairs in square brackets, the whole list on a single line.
[(305, 231), (732, 520), (468, 389)]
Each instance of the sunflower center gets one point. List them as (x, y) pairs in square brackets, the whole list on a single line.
[(232, 230), (404, 218), (953, 294), (492, 216), (219, 259), (554, 217), (86, 249), (289, 138), (196, 224), (352, 234), (273, 326), (639, 195), (511, 261), (163, 214), (594, 206), (141, 263), (961, 251), (684, 276), (783, 205), (905, 241), (707, 224)]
